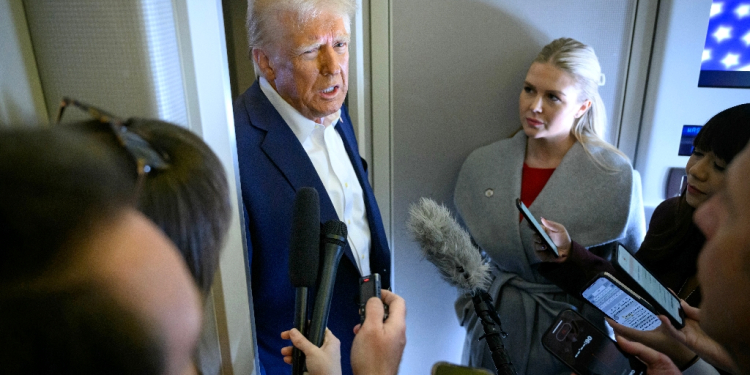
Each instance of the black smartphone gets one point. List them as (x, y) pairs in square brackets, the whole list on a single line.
[(445, 368), (586, 349), (369, 286), (620, 303), (536, 226), (662, 299)]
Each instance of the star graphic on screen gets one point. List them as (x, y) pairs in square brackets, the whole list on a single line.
[(742, 11), (706, 55), (746, 39), (716, 8), (731, 60), (722, 33)]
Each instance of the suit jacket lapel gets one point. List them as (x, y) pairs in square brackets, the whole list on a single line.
[(283, 148), (378, 243)]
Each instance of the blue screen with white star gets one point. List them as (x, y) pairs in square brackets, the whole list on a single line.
[(727, 47), (728, 36)]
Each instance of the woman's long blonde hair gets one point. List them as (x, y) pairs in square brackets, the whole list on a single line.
[(581, 63)]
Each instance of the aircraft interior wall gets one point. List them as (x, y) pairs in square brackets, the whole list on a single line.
[(453, 74)]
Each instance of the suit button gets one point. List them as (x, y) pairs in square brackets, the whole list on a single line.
[(489, 193)]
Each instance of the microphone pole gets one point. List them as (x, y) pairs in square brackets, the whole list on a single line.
[(333, 247), (448, 246), (493, 332), (304, 256)]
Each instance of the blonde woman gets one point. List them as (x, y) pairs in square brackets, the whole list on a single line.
[(560, 167)]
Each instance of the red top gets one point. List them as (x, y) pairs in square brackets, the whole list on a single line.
[(532, 183)]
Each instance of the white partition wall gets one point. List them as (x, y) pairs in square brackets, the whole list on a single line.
[(21, 99), (121, 55), (200, 29)]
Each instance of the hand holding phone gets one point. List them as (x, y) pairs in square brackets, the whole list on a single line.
[(369, 286), (620, 303), (586, 349), (659, 339), (660, 297), (559, 236), (536, 227), (379, 343)]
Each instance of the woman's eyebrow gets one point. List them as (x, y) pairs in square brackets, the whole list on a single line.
[(558, 93)]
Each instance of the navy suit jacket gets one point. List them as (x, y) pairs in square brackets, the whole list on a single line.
[(273, 166)]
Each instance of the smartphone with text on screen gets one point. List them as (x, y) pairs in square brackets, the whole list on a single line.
[(586, 349), (664, 301), (619, 303)]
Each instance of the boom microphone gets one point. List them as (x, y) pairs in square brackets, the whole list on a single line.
[(304, 256), (446, 245), (333, 247)]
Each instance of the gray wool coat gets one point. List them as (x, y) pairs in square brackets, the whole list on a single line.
[(595, 205)]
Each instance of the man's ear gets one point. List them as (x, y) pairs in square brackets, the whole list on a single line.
[(584, 107), (264, 64)]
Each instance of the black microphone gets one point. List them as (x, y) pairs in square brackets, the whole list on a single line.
[(333, 247), (448, 246), (304, 256)]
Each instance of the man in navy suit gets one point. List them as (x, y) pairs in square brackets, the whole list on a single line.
[(293, 131)]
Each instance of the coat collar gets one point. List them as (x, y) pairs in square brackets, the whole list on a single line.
[(591, 202)]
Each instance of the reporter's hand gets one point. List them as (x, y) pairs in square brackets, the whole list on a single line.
[(693, 336), (378, 345), (560, 238), (656, 362), (658, 339), (325, 360)]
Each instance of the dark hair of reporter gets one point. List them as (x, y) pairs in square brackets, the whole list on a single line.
[(725, 134), (189, 201), (76, 330), (48, 203), (46, 195)]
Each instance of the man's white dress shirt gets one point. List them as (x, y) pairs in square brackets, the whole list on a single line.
[(324, 146)]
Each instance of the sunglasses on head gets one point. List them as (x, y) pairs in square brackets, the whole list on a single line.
[(147, 159)]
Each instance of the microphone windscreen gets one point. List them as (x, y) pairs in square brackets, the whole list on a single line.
[(335, 231), (448, 246), (304, 244)]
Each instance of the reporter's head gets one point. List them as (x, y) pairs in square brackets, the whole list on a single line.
[(724, 263), (188, 200), (89, 285)]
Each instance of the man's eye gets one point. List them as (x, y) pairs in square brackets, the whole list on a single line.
[(554, 98), (527, 89)]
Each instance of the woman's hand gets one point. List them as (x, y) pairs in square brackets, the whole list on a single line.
[(325, 360), (560, 238), (658, 339), (657, 363), (692, 336)]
